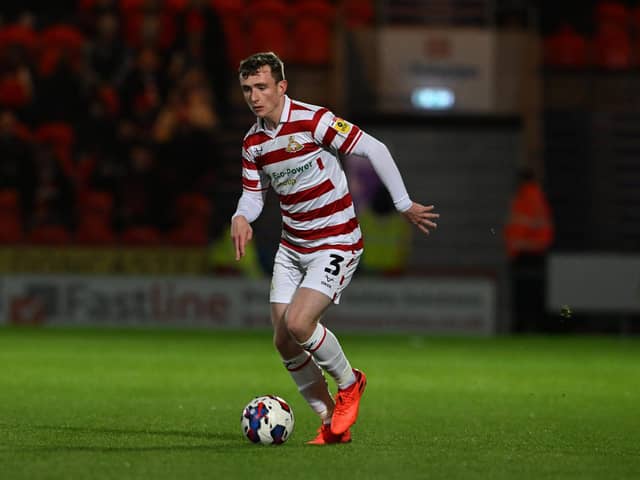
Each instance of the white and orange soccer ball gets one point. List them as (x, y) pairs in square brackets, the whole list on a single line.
[(267, 420)]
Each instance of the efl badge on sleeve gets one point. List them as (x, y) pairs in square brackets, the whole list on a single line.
[(341, 126)]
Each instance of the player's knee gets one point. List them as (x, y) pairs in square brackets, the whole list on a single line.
[(283, 343), (296, 326)]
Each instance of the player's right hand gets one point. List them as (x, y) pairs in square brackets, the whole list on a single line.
[(241, 233), (422, 216)]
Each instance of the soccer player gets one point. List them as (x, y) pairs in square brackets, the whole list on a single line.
[(295, 147)]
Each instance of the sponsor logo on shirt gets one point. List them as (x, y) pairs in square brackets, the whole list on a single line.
[(275, 176), (341, 126), (288, 181)]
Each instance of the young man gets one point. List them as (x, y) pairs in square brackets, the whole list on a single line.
[(294, 148)]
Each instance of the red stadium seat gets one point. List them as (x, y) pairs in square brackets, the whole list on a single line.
[(136, 21), (566, 48), (19, 35), (94, 231), (195, 234), (268, 28), (193, 211), (10, 228), (10, 223), (231, 14), (63, 36), (612, 40), (9, 200), (61, 138), (94, 219), (611, 12), (13, 93), (141, 236), (312, 32), (49, 235), (129, 5), (96, 203), (56, 133), (193, 205), (359, 13)]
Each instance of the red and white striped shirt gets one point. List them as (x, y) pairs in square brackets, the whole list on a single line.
[(299, 159)]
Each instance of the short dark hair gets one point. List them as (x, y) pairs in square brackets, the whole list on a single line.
[(252, 64)]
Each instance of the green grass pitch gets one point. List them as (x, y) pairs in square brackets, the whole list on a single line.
[(119, 404)]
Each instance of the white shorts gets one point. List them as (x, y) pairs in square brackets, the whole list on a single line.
[(327, 271)]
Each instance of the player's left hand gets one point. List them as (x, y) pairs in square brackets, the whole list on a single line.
[(422, 216)]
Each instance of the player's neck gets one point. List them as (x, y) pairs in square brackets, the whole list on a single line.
[(270, 124), (272, 120)]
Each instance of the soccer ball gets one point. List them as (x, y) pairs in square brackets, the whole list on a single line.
[(267, 420)]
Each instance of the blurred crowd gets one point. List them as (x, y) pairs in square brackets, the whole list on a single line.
[(111, 110)]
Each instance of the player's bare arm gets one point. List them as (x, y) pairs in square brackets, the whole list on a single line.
[(241, 234), (422, 216)]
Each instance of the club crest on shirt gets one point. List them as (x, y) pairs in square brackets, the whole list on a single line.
[(341, 125), (293, 146)]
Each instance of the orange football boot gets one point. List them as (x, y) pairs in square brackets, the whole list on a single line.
[(347, 404), (325, 437)]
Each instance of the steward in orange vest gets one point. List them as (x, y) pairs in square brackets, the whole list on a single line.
[(529, 229), (528, 235)]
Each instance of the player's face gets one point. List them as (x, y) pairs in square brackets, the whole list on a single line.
[(264, 96)]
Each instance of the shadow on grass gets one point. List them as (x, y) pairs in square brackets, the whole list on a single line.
[(215, 440)]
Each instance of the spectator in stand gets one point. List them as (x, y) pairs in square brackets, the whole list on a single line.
[(16, 83), (53, 191), (201, 43), (60, 87), (89, 12), (144, 88), (185, 131), (108, 55), (47, 12), (140, 198), (17, 168)]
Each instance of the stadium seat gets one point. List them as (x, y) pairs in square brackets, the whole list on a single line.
[(61, 138), (312, 32), (130, 5), (49, 235), (56, 133), (143, 28), (9, 201), (96, 203), (612, 40), (10, 222), (193, 212), (13, 93), (189, 234), (359, 13), (566, 48), (63, 36), (10, 229), (94, 231), (19, 35), (94, 219), (231, 14), (141, 236), (193, 205), (268, 27), (611, 12)]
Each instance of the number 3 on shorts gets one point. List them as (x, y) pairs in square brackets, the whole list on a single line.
[(335, 263)]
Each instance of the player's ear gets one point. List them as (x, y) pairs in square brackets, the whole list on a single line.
[(282, 87)]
